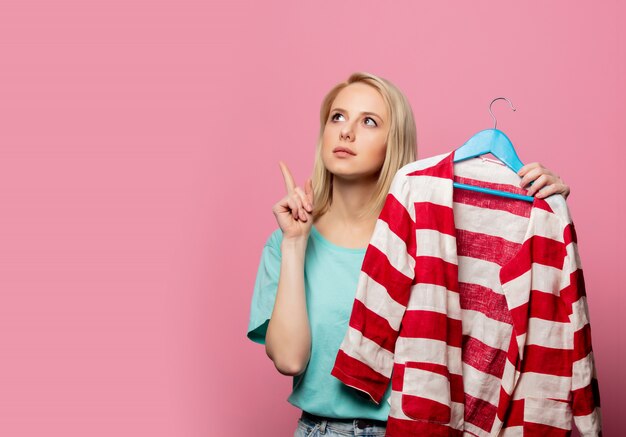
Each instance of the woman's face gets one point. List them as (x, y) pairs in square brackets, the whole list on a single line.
[(355, 136)]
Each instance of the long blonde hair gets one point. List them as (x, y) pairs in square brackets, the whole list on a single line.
[(401, 142)]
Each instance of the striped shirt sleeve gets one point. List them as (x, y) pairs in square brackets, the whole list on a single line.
[(585, 394), (365, 358)]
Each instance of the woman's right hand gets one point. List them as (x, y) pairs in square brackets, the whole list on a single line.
[(294, 211)]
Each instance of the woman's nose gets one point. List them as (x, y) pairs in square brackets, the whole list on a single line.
[(346, 133)]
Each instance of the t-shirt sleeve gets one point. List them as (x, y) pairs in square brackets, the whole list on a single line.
[(265, 287)]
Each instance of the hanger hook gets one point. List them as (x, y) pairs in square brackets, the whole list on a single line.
[(495, 122)]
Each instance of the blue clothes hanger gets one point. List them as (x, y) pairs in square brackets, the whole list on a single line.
[(496, 142)]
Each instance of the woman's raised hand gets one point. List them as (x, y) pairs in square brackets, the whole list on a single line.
[(294, 211), (544, 182)]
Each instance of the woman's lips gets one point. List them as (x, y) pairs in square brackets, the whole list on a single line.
[(343, 152)]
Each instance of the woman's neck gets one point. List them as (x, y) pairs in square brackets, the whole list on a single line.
[(349, 221), (352, 201)]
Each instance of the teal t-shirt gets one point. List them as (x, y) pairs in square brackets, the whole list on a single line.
[(331, 275)]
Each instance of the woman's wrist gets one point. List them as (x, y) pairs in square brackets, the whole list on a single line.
[(298, 243)]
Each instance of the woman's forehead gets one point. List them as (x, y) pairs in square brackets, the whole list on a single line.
[(358, 97)]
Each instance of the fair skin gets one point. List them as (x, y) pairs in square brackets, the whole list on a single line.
[(353, 150)]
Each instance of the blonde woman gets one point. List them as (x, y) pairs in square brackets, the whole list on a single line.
[(309, 269)]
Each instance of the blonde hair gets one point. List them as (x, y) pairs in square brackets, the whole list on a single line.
[(401, 142)]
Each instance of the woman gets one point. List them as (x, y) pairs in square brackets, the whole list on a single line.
[(309, 269)]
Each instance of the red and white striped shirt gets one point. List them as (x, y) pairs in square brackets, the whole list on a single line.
[(474, 306)]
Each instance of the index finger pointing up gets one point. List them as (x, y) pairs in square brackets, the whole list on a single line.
[(290, 185)]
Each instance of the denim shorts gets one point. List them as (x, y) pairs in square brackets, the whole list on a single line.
[(308, 427)]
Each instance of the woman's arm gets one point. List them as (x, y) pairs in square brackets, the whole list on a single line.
[(288, 337)]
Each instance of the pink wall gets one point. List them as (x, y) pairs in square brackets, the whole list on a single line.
[(139, 147)]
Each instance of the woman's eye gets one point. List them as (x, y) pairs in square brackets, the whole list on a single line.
[(334, 117), (372, 120)]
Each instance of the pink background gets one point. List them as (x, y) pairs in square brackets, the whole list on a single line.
[(139, 163)]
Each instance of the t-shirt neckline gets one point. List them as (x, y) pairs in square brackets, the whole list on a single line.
[(319, 237)]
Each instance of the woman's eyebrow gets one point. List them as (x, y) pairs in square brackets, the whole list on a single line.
[(362, 113)]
